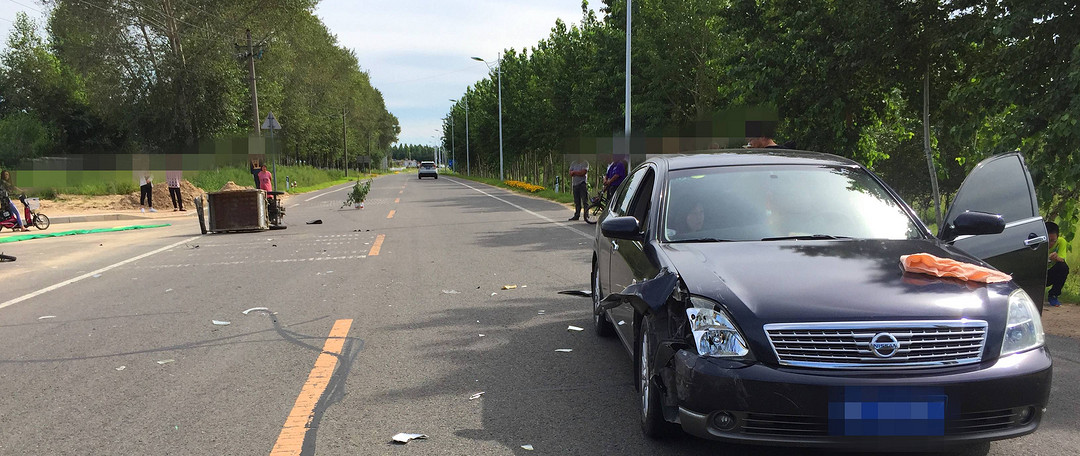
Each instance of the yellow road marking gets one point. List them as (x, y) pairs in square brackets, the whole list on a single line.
[(377, 245), (391, 214), (397, 200), (291, 439)]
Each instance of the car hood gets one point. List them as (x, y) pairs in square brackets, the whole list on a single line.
[(841, 280)]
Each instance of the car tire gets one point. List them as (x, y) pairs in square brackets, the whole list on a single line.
[(601, 325), (436, 177), (650, 413)]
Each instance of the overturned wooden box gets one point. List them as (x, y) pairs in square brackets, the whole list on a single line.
[(238, 210)]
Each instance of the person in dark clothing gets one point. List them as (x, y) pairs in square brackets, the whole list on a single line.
[(255, 170), (173, 180), (1059, 270), (614, 176), (146, 192)]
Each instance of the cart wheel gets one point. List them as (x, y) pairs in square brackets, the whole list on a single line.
[(6, 257)]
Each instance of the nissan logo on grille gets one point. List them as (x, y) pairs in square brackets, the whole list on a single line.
[(884, 345)]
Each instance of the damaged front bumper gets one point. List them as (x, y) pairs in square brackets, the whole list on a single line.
[(926, 411)]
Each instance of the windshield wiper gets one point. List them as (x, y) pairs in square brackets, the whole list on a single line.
[(704, 240), (805, 237)]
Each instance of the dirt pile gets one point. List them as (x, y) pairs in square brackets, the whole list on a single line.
[(188, 192), (231, 186)]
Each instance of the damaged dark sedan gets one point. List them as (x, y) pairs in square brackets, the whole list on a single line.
[(762, 298)]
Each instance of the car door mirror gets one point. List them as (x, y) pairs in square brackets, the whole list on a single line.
[(625, 227), (974, 223)]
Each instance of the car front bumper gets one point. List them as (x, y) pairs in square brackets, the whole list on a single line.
[(759, 404), (428, 174)]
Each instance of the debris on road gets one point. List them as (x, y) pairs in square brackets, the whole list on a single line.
[(221, 323), (121, 368), (451, 292), (46, 317), (97, 275), (574, 328), (581, 293), (166, 361), (527, 447), (481, 335), (493, 293), (476, 396), (564, 350), (315, 222), (509, 287), (404, 437), (254, 309), (168, 290)]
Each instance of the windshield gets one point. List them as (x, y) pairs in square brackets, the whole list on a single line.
[(751, 203)]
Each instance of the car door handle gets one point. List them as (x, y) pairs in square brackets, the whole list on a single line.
[(1036, 240)]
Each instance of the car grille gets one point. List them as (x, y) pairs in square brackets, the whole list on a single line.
[(785, 425), (970, 423), (903, 344)]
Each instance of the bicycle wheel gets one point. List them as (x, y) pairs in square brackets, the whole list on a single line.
[(593, 213), (41, 221)]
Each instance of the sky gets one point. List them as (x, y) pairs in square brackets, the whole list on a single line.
[(418, 53)]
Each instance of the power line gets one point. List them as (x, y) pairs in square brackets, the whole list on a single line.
[(25, 5)]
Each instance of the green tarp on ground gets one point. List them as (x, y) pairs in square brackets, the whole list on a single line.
[(24, 237)]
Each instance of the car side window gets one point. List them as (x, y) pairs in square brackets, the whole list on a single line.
[(642, 199), (626, 193)]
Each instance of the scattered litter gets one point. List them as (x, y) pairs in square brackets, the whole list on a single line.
[(564, 350), (254, 309), (527, 447), (273, 245), (97, 275), (451, 292), (46, 317), (493, 293), (481, 335), (166, 361), (582, 293), (524, 286), (404, 437), (315, 222), (329, 272), (476, 396), (622, 322), (221, 323), (541, 312), (168, 290), (121, 368), (574, 328), (509, 287)]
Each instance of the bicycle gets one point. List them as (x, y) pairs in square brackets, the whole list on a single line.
[(33, 213), (596, 207)]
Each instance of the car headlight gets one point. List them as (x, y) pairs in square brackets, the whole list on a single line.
[(714, 334), (1023, 328)]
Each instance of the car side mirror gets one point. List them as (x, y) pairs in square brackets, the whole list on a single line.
[(973, 223), (625, 227)]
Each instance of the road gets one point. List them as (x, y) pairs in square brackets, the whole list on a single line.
[(381, 320)]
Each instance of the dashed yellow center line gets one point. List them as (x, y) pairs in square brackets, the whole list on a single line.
[(391, 214), (377, 245), (291, 439), (397, 200)]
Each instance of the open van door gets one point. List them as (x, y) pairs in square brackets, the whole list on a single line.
[(1002, 185)]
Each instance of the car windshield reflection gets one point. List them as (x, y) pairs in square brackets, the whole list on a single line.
[(757, 203)]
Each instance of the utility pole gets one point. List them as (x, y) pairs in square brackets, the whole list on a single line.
[(345, 142), (251, 83)]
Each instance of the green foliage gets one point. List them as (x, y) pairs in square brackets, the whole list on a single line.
[(304, 176), (22, 136), (358, 193)]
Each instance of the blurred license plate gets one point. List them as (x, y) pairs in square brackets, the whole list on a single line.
[(888, 411)]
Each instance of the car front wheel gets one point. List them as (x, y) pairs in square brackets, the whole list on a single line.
[(653, 424)]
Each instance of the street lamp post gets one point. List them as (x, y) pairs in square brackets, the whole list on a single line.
[(498, 69), (468, 166), (453, 153)]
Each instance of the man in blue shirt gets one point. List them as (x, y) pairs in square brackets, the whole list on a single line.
[(616, 172)]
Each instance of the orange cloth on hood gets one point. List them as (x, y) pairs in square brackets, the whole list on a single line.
[(926, 263)]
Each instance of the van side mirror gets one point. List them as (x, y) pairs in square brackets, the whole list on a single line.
[(973, 223)]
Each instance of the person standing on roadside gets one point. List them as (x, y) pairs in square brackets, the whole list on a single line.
[(255, 170), (265, 179), (614, 176), (579, 171), (173, 180), (146, 192), (1058, 270)]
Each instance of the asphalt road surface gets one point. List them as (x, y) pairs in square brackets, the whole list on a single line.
[(382, 320)]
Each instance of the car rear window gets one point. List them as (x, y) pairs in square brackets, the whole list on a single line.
[(750, 203)]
